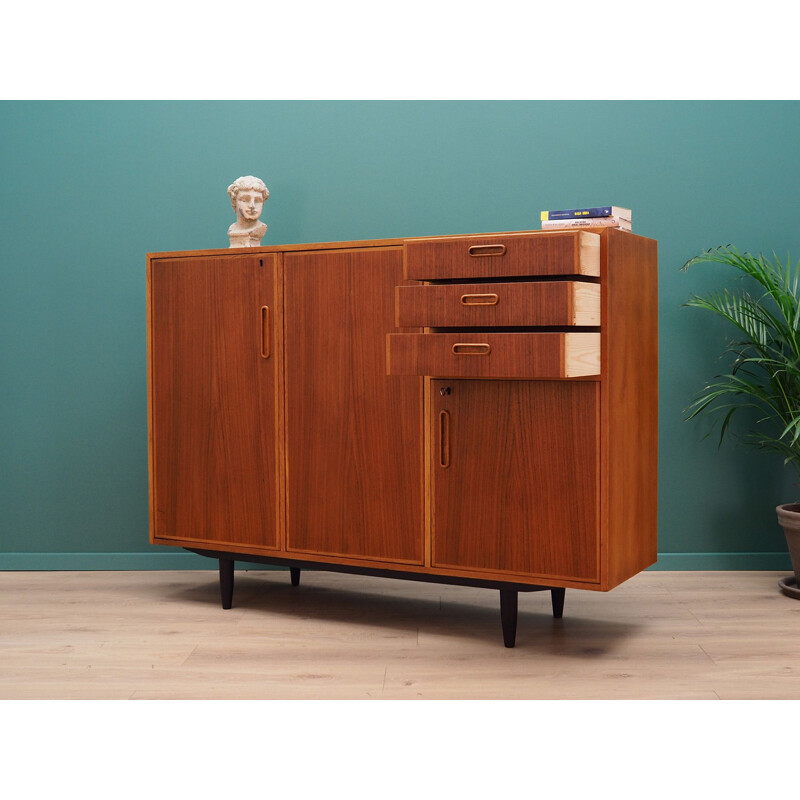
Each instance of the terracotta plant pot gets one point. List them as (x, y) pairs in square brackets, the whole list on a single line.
[(789, 519)]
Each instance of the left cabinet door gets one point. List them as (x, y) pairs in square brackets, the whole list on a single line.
[(213, 369)]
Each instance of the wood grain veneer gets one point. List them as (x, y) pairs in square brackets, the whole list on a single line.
[(213, 410), (518, 491), (517, 304), (309, 404), (630, 404), (484, 354), (535, 253), (354, 444)]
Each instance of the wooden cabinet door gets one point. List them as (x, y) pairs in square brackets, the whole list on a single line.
[(213, 367), (353, 433), (514, 472)]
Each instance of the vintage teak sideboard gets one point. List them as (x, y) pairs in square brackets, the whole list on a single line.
[(471, 409)]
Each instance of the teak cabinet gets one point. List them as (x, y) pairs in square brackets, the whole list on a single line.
[(466, 409)]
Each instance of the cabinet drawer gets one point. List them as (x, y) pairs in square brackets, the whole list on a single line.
[(495, 304), (494, 355), (506, 254)]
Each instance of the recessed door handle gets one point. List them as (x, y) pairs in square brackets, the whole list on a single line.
[(472, 349), (479, 299), (444, 439), (266, 337), (487, 250)]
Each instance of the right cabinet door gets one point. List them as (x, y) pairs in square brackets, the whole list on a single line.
[(515, 477)]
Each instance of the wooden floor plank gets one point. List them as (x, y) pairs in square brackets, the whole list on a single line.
[(163, 635)]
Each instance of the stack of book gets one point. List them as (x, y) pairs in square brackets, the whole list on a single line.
[(598, 217)]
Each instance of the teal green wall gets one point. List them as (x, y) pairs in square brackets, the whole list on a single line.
[(89, 187)]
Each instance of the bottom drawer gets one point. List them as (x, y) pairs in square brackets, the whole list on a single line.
[(494, 355)]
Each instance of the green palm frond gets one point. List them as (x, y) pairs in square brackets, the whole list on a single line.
[(765, 371)]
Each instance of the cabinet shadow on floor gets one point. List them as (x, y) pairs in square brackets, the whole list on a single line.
[(324, 603)]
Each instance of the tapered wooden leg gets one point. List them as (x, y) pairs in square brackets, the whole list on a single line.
[(226, 581), (557, 596), (294, 572), (508, 615)]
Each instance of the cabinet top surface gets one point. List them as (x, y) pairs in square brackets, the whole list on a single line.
[(363, 243)]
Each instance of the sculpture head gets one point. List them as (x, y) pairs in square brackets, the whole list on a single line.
[(248, 195)]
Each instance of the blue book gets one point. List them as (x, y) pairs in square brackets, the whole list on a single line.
[(582, 213)]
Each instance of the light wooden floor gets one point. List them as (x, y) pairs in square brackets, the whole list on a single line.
[(158, 635)]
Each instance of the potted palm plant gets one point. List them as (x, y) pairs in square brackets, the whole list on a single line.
[(765, 370)]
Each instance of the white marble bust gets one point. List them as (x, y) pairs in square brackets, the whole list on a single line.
[(248, 195)]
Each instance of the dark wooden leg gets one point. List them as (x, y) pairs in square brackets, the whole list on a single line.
[(226, 581), (557, 596), (295, 574), (508, 615)]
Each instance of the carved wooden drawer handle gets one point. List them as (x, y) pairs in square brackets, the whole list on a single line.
[(487, 250), (471, 349), (266, 339), (479, 299)]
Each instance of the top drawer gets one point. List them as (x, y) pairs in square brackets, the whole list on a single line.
[(503, 255)]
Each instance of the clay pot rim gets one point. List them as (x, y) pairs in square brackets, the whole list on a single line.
[(789, 587)]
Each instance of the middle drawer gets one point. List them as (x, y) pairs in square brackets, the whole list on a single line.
[(523, 304)]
